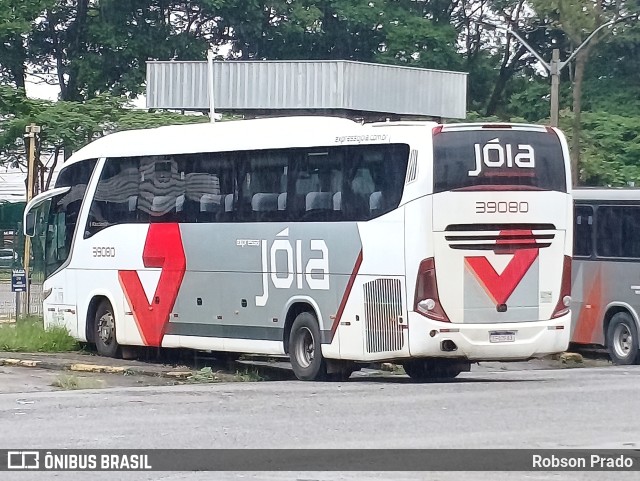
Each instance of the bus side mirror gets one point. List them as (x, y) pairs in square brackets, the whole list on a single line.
[(30, 224)]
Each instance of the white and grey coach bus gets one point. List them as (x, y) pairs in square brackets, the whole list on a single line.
[(606, 278), (330, 241)]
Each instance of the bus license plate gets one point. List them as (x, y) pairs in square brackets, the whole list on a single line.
[(502, 336)]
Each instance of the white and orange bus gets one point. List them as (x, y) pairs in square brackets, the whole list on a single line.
[(323, 239)]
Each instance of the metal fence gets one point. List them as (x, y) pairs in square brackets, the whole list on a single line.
[(8, 301)]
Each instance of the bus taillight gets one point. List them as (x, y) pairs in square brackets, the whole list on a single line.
[(564, 302), (426, 300)]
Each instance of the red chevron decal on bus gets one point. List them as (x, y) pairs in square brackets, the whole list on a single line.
[(163, 248), (499, 287)]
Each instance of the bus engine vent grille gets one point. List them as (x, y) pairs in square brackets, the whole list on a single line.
[(500, 238), (383, 308)]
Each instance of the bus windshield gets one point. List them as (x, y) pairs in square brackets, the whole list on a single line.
[(484, 159), (57, 216)]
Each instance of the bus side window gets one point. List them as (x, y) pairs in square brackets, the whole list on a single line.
[(630, 232), (618, 231), (374, 180), (609, 237), (116, 198), (162, 189), (262, 184), (583, 231)]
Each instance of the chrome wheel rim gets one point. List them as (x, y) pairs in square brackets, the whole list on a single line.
[(622, 340), (106, 328), (305, 348)]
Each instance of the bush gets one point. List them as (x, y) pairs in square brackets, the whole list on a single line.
[(29, 335)]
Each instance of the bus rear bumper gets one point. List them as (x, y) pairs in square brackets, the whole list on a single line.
[(488, 342)]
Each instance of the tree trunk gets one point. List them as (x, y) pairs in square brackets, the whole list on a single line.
[(78, 48), (507, 69), (503, 77)]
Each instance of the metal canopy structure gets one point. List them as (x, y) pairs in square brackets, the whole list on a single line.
[(337, 87)]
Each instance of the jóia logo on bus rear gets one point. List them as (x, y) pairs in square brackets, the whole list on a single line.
[(493, 154)]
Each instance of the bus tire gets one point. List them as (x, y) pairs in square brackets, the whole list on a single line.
[(622, 339), (305, 350), (105, 330), (425, 370)]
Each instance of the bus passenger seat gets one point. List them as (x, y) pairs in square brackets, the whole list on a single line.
[(180, 203), (228, 203), (337, 201), (319, 201), (375, 202), (264, 202), (282, 201), (211, 202), (133, 203), (163, 204)]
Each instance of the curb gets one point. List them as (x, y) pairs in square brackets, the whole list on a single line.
[(91, 368), (19, 362)]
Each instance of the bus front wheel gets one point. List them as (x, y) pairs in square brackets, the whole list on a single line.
[(105, 330), (305, 351), (622, 339)]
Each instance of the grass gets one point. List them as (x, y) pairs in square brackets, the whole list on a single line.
[(206, 374), (249, 376), (71, 382), (29, 335)]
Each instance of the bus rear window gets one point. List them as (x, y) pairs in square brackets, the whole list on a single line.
[(496, 159)]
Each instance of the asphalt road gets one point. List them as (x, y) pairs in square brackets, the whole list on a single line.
[(570, 408)]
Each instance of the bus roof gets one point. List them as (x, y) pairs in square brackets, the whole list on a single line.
[(222, 136), (266, 133), (606, 194)]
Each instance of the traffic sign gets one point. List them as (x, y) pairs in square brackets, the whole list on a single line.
[(18, 280)]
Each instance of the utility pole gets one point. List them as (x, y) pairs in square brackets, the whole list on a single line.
[(31, 133), (211, 87), (554, 70)]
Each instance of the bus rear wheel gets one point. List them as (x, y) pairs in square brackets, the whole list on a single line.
[(305, 350), (105, 330), (424, 370), (622, 339)]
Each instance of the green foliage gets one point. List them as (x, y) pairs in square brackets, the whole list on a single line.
[(529, 99), (204, 375), (610, 148), (249, 375), (67, 126), (612, 80), (29, 335), (141, 119)]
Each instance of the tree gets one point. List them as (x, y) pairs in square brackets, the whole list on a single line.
[(17, 18), (94, 47), (67, 126), (610, 146), (578, 20)]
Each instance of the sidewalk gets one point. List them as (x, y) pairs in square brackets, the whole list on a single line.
[(86, 362)]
